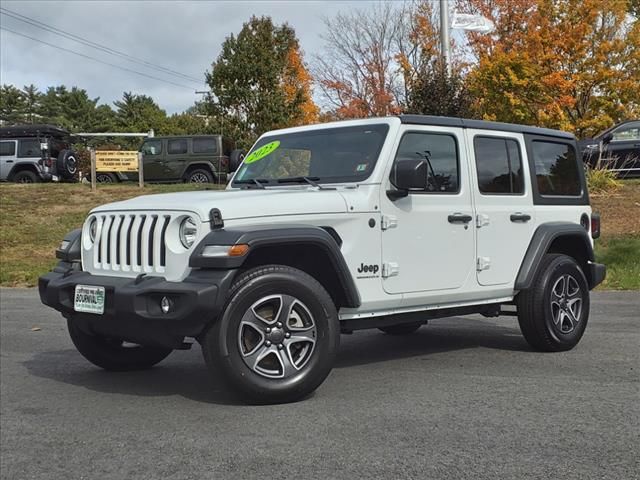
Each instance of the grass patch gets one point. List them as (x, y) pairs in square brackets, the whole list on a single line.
[(35, 218), (621, 255)]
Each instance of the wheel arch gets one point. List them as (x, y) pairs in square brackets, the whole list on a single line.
[(556, 237), (314, 250), (198, 165), (19, 167)]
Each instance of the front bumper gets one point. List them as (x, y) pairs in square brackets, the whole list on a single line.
[(132, 306)]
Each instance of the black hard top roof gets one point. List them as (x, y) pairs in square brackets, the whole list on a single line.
[(481, 125), (33, 131)]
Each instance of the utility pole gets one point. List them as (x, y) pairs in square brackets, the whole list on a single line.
[(444, 35)]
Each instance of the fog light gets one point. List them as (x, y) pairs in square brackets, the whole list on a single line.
[(166, 305)]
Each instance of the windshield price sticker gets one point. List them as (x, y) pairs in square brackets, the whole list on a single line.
[(262, 152)]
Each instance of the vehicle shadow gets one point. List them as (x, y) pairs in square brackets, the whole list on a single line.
[(185, 374)]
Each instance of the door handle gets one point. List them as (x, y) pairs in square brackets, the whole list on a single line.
[(520, 217), (9, 161), (459, 218)]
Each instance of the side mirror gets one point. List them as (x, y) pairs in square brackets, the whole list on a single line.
[(607, 138), (408, 175)]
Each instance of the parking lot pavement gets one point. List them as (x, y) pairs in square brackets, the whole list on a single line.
[(462, 398)]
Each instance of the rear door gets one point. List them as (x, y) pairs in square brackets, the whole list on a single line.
[(428, 237), (505, 217), (177, 158), (7, 157)]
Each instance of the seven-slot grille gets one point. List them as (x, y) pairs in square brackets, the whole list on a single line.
[(131, 242)]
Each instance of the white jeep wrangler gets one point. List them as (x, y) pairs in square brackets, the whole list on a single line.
[(379, 223)]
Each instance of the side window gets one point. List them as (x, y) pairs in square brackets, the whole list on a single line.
[(205, 145), (556, 168), (499, 165), (29, 148), (177, 146), (440, 151), (628, 133), (7, 148), (152, 147)]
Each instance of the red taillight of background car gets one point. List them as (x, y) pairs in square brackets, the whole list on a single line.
[(595, 225), (224, 162)]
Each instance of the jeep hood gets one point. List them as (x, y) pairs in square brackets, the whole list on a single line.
[(238, 204)]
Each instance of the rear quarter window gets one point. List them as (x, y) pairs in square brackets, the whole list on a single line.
[(205, 145), (556, 169), (29, 148)]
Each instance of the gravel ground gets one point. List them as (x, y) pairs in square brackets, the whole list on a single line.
[(461, 398)]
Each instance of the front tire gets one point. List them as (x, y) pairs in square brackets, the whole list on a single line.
[(553, 314), (278, 337), (114, 354)]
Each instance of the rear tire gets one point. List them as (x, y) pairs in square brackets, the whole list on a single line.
[(278, 337), (553, 313), (106, 178), (112, 354), (199, 175), (402, 329), (26, 176)]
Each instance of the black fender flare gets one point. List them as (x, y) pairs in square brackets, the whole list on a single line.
[(258, 236), (23, 165), (540, 243), (194, 165)]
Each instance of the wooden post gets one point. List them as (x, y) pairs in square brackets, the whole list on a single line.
[(93, 170), (140, 171)]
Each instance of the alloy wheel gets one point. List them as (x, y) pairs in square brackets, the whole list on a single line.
[(277, 336), (566, 304)]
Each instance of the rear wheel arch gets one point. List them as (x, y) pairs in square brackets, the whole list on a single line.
[(20, 167), (570, 239), (200, 166)]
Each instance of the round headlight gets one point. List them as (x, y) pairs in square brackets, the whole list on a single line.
[(93, 230), (188, 232)]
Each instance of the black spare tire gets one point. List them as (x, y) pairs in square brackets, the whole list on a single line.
[(67, 164), (235, 160)]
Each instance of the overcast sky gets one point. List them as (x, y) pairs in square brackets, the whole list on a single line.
[(181, 36)]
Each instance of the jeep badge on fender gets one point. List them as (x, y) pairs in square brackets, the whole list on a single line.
[(267, 274)]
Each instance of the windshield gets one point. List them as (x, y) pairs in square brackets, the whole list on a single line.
[(331, 155)]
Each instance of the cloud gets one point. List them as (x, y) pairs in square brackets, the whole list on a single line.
[(182, 36)]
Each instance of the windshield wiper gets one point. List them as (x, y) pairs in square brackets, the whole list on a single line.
[(253, 181), (310, 180)]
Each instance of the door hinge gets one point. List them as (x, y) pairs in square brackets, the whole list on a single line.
[(482, 220), (484, 263), (388, 222), (390, 269)]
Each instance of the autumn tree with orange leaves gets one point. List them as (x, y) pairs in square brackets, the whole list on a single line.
[(567, 64), (259, 82)]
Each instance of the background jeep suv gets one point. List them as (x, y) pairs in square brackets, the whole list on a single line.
[(194, 159), (24, 160)]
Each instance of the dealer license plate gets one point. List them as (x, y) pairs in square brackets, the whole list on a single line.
[(89, 299)]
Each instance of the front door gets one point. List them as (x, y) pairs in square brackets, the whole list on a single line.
[(428, 236), (505, 218), (153, 155)]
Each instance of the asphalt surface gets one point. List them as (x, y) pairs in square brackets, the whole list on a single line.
[(461, 398)]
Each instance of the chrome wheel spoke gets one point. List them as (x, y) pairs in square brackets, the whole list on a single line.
[(288, 368), (307, 335)]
